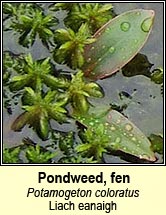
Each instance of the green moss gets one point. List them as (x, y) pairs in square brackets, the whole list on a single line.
[(30, 21), (11, 155), (70, 46), (35, 155)]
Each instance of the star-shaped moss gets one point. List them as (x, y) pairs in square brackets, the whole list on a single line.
[(70, 46), (30, 21), (39, 110), (79, 90), (35, 74)]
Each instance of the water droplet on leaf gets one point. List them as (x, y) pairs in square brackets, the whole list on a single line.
[(96, 121), (109, 116), (118, 121), (133, 138), (125, 26), (113, 128), (146, 24), (112, 49), (89, 59), (91, 123), (118, 140), (108, 29), (128, 127), (105, 132)]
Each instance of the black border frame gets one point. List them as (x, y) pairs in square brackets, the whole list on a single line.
[(109, 164)]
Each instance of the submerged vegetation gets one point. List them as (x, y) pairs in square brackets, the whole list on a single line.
[(70, 46), (92, 45), (30, 21)]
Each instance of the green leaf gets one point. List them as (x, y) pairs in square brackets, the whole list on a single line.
[(47, 31), (157, 143), (117, 42), (70, 46), (96, 142), (29, 97), (31, 92), (43, 128), (83, 147), (29, 59), (84, 31), (63, 33), (66, 45), (54, 83), (123, 134), (105, 8), (57, 113), (38, 155), (26, 19), (50, 96), (80, 58), (157, 76), (20, 121), (11, 155), (8, 9), (89, 41), (30, 109), (94, 90), (80, 103), (18, 82), (45, 65), (30, 22), (47, 19)]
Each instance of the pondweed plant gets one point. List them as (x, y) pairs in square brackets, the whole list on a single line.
[(40, 107), (32, 154), (11, 64), (30, 21), (11, 155), (95, 142), (35, 74), (94, 15), (35, 155), (70, 46), (157, 143), (39, 110), (157, 76), (49, 95), (79, 91), (67, 144)]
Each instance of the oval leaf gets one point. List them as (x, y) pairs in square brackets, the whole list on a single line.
[(117, 42), (123, 134), (43, 128), (20, 121)]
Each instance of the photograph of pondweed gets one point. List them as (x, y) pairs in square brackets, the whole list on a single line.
[(82, 83)]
